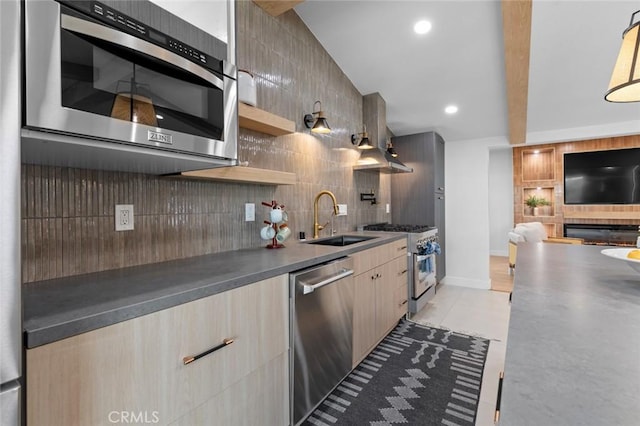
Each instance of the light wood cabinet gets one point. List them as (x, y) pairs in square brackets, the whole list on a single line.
[(394, 277), (380, 278), (135, 368), (371, 258), (364, 318)]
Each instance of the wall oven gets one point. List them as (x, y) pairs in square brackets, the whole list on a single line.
[(115, 92)]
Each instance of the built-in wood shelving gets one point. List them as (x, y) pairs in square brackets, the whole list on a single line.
[(277, 7), (262, 121), (242, 175), (538, 170), (538, 164), (540, 192)]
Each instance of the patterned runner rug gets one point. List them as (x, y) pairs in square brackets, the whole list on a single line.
[(417, 375)]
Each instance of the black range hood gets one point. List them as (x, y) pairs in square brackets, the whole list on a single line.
[(374, 111)]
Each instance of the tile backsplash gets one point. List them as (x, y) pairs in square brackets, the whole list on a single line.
[(68, 214)]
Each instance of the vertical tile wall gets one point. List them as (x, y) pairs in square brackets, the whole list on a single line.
[(68, 214), (292, 71)]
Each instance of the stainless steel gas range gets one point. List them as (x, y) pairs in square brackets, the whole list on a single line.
[(422, 249)]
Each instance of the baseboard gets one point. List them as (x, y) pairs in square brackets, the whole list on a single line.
[(503, 253), (467, 282)]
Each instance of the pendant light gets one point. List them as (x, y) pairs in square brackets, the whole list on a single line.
[(625, 80)]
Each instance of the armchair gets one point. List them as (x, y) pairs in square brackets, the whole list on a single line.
[(532, 232)]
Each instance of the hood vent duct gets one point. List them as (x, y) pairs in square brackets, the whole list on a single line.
[(374, 111)]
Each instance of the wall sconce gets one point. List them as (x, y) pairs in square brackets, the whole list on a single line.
[(390, 150), (625, 80), (363, 142), (316, 121)]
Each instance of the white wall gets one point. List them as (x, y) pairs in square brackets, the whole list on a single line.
[(500, 199), (467, 211)]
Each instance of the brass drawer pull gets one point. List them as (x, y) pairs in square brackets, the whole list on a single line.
[(402, 273), (403, 248), (189, 359), (404, 302)]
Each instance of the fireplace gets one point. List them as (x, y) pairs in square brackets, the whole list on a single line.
[(610, 235)]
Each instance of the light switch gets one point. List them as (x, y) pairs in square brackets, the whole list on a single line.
[(342, 209)]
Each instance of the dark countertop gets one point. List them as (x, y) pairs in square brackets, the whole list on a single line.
[(573, 351), (60, 308)]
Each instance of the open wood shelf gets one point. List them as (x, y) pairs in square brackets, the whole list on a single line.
[(538, 164), (277, 7), (543, 192), (242, 175), (262, 121)]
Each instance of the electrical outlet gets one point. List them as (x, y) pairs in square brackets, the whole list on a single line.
[(249, 212), (342, 209), (388, 208), (124, 217)]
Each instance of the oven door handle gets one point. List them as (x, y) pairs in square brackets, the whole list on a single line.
[(80, 26), (421, 257)]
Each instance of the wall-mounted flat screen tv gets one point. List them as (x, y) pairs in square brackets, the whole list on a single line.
[(602, 177)]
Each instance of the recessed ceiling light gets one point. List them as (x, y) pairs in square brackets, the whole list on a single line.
[(451, 109), (422, 27)]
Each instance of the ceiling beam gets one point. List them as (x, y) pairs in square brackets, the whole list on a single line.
[(516, 30)]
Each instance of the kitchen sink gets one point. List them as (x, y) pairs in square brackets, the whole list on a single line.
[(342, 240)]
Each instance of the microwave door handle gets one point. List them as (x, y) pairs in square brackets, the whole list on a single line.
[(119, 38)]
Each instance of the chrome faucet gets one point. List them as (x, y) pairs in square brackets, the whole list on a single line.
[(316, 226)]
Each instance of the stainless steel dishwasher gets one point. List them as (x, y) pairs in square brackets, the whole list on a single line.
[(321, 333)]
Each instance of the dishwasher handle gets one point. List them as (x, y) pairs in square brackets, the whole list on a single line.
[(309, 288)]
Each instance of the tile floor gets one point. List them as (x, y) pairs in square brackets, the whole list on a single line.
[(483, 313)]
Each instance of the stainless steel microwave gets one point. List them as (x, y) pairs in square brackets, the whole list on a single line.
[(108, 88)]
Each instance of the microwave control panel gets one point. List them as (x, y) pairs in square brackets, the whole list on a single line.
[(113, 18)]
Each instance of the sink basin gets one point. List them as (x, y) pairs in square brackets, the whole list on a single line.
[(342, 240)]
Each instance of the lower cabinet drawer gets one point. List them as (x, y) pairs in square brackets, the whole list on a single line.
[(260, 398), (377, 256), (136, 368), (399, 269)]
